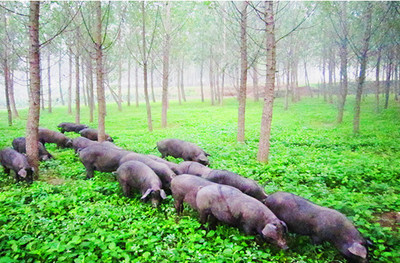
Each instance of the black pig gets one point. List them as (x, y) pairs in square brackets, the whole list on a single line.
[(19, 144), (321, 223), (181, 149), (71, 127), (231, 206), (49, 136), (246, 185), (184, 189), (101, 157), (136, 175), (10, 159), (92, 134), (161, 169)]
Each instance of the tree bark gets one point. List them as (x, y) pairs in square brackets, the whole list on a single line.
[(387, 83), (120, 85), (70, 83), (59, 79), (255, 83), (89, 77), (32, 124), (82, 77), (165, 65), (129, 82), (211, 77), (265, 133), (12, 96), (152, 82), (146, 93), (137, 85), (178, 79), (201, 81), (77, 92), (287, 91), (182, 84), (49, 83), (363, 66), (377, 82), (243, 73), (343, 64), (7, 86), (99, 72), (330, 76)]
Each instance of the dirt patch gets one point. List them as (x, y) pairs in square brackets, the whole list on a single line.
[(54, 180), (389, 219)]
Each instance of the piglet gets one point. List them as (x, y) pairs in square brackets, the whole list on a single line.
[(181, 149), (229, 205), (19, 144), (10, 159), (136, 175), (184, 189), (321, 223)]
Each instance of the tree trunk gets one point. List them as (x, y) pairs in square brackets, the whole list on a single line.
[(363, 66), (49, 83), (12, 96), (343, 64), (387, 83), (377, 82), (129, 82), (137, 85), (178, 79), (99, 72), (330, 77), (82, 76), (201, 81), (89, 80), (146, 93), (70, 84), (59, 79), (307, 80), (222, 87), (396, 82), (120, 85), (165, 65), (182, 84), (265, 133), (287, 86), (77, 92), (255, 83), (243, 73), (152, 82), (7, 87), (324, 75), (211, 78), (32, 124)]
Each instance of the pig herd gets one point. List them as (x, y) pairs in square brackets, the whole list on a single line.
[(217, 195)]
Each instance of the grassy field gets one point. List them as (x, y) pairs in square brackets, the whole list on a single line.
[(63, 217)]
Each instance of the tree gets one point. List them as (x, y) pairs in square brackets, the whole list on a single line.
[(165, 78), (266, 119), (363, 58), (243, 73), (32, 125), (99, 73)]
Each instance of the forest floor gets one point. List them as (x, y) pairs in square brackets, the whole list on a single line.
[(63, 217)]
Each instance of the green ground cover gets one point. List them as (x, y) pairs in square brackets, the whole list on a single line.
[(63, 217)]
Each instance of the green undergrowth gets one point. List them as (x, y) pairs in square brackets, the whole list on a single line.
[(63, 217)]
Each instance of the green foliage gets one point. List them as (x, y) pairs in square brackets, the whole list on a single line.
[(64, 218)]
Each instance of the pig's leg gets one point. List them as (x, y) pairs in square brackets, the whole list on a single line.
[(315, 240), (126, 189), (178, 205), (6, 170), (89, 171), (212, 222)]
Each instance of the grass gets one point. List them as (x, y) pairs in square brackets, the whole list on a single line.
[(63, 217)]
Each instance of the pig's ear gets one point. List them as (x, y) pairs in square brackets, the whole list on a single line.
[(22, 173), (285, 226), (268, 229), (162, 194), (358, 250), (147, 193)]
